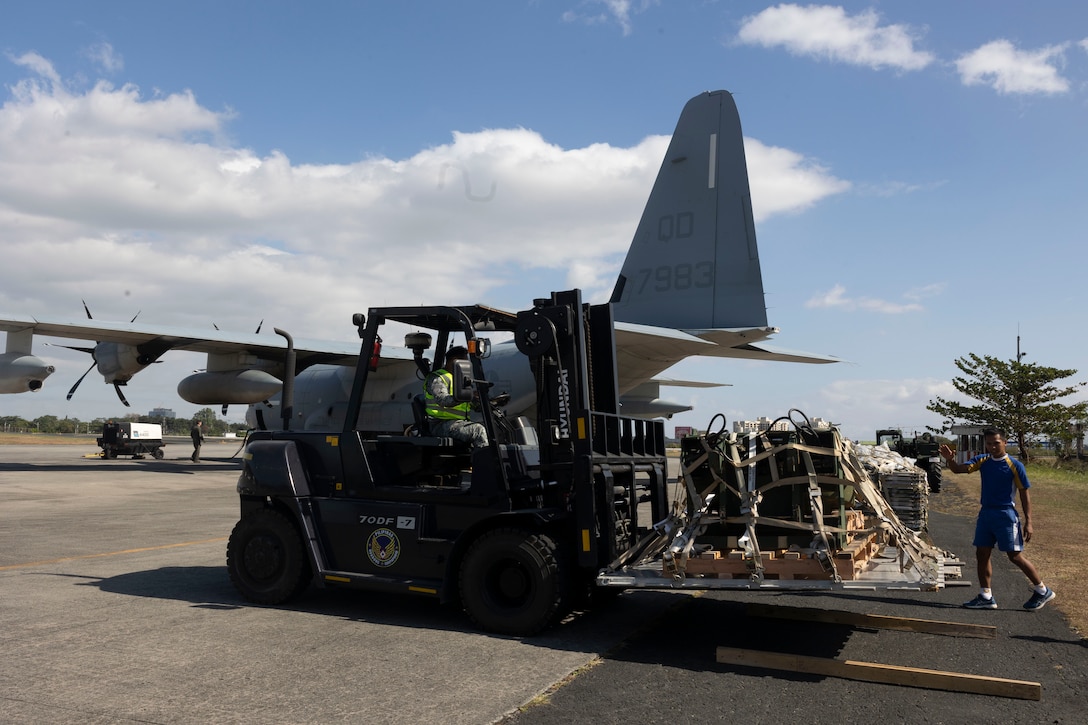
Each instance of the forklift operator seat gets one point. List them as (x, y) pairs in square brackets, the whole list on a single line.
[(419, 415)]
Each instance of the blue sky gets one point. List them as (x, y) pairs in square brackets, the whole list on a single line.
[(918, 172)]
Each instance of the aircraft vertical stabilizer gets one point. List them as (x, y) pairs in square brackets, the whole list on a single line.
[(693, 263)]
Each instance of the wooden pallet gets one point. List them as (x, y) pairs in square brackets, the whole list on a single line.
[(786, 564)]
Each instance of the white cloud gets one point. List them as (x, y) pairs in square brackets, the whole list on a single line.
[(825, 31), (871, 404), (785, 181), (105, 57), (1006, 69), (930, 290), (889, 189), (836, 298), (37, 64), (613, 11), (137, 204)]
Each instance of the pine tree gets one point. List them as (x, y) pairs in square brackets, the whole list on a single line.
[(1013, 395)]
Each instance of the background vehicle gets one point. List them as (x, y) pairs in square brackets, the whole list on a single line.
[(924, 448), (131, 439)]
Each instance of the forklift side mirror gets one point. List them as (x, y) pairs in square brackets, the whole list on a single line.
[(480, 347), (462, 380)]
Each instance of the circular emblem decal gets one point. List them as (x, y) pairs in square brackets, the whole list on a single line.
[(383, 547)]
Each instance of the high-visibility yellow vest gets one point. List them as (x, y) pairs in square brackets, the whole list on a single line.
[(434, 410)]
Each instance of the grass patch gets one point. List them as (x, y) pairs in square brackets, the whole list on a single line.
[(1059, 519), (46, 439)]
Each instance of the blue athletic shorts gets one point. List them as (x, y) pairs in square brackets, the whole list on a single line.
[(999, 527)]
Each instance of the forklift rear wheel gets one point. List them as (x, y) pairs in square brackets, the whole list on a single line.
[(265, 558), (157, 454), (511, 582)]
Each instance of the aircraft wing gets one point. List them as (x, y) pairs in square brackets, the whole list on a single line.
[(157, 340)]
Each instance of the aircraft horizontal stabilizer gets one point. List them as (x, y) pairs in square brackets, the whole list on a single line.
[(644, 400), (644, 351), (761, 351), (670, 383)]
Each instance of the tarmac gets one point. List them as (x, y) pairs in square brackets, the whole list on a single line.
[(115, 607)]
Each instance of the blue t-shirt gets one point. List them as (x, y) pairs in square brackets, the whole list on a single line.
[(1001, 477)]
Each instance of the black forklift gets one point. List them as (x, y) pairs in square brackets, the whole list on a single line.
[(514, 532)]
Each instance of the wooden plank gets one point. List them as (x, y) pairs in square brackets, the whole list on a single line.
[(772, 567), (872, 621), (885, 674)]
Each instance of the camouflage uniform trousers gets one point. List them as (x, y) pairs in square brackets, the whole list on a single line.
[(461, 430)]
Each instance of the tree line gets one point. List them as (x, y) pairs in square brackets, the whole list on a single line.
[(1019, 398), (213, 426)]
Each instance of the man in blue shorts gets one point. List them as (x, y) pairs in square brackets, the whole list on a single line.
[(998, 523)]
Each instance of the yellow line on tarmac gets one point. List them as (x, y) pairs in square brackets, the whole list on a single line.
[(112, 553)]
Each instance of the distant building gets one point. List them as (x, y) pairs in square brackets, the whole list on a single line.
[(969, 442), (161, 413), (744, 427)]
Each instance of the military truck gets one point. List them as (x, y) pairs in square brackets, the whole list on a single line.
[(925, 449)]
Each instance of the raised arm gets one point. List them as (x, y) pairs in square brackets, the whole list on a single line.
[(950, 460)]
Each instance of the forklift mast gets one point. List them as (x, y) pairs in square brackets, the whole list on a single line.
[(572, 352)]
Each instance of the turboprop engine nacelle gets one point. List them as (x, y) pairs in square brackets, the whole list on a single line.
[(229, 387), (21, 372), (118, 362)]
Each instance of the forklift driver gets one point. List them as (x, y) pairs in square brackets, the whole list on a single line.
[(447, 417)]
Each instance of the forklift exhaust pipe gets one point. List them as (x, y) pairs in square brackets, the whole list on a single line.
[(287, 397)]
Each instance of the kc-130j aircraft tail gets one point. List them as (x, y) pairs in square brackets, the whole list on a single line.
[(693, 263), (691, 285)]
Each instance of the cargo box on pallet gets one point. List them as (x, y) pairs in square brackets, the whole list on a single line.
[(790, 503)]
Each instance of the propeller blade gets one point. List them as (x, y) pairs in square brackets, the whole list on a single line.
[(134, 317), (120, 395), (258, 332), (87, 310), (73, 390), (224, 409), (88, 350)]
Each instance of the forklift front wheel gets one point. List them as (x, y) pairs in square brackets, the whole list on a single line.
[(157, 454), (511, 582), (265, 558)]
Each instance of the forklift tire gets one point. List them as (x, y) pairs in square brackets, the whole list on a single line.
[(157, 454), (511, 582), (265, 558), (109, 454)]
